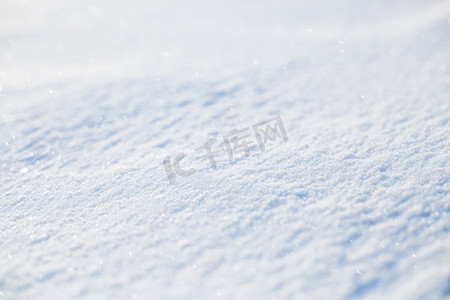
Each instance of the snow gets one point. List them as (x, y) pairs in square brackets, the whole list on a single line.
[(94, 96)]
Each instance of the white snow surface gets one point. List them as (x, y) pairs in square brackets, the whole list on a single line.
[(95, 94)]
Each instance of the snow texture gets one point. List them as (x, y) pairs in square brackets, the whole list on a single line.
[(94, 96)]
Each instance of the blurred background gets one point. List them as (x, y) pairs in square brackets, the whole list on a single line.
[(44, 42)]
